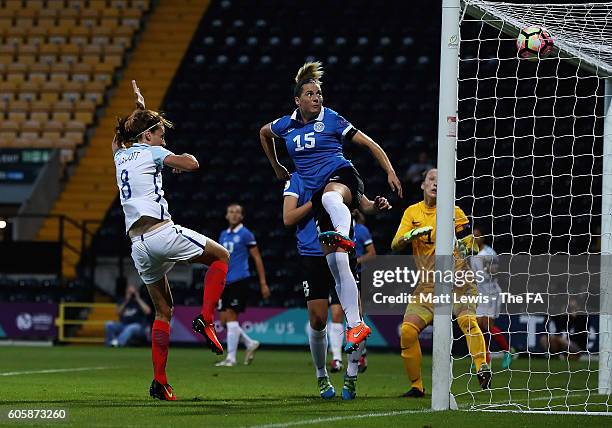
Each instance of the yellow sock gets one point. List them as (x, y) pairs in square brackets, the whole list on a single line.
[(411, 354), (475, 339)]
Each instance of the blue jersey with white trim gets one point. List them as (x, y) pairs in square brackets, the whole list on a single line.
[(316, 146), (237, 241), (139, 178), (363, 238), (306, 231)]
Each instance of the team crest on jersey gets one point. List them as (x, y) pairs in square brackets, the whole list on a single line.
[(236, 239), (319, 126)]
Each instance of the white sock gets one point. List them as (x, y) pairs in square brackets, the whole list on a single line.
[(318, 349), (335, 334), (353, 361), (338, 212), (245, 337), (346, 287), (233, 337)]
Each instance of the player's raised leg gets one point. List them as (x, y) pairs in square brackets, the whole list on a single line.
[(160, 338), (217, 259)]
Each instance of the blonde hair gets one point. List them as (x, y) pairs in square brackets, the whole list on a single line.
[(310, 72)]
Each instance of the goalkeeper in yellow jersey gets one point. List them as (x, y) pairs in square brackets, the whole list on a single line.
[(418, 228)]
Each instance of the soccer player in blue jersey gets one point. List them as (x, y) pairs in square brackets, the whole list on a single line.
[(240, 242), (364, 251), (158, 244), (319, 283), (314, 136)]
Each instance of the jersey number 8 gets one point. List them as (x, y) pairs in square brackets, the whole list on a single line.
[(126, 190), (309, 142)]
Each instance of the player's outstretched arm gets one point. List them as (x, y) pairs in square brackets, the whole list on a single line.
[(292, 214), (184, 162), (406, 232), (140, 101), (362, 139), (267, 143)]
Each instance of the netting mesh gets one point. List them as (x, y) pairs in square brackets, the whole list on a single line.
[(529, 170)]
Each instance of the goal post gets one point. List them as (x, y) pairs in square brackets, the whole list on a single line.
[(525, 149), (445, 230), (605, 314)]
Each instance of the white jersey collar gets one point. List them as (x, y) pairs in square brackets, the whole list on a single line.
[(234, 230), (318, 118)]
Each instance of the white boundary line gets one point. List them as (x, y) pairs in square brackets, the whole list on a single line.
[(75, 369), (544, 412), (463, 408), (342, 418)]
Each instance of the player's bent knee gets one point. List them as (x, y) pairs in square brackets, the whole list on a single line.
[(318, 322), (225, 256), (409, 335)]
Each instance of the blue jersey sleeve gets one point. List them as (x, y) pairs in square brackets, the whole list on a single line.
[(293, 186), (366, 236), (249, 238), (279, 125), (159, 154), (342, 127)]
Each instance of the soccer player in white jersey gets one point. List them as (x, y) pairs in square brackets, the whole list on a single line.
[(157, 243), (486, 261)]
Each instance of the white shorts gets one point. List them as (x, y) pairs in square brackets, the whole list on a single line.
[(156, 252), (491, 308)]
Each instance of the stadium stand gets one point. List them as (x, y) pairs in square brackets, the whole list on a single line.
[(90, 190), (237, 75), (58, 60)]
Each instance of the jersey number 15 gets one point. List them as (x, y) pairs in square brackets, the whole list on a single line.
[(309, 141)]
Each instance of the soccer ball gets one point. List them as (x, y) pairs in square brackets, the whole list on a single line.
[(534, 42)]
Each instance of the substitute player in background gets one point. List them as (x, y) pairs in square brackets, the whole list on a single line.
[(319, 283), (240, 242), (364, 251), (486, 262), (418, 228), (314, 136), (157, 243)]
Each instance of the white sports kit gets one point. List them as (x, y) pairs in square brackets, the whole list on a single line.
[(482, 262), (138, 171)]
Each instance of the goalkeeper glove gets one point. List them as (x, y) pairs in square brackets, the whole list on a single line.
[(467, 246), (415, 233)]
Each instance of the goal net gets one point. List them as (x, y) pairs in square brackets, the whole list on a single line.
[(533, 171)]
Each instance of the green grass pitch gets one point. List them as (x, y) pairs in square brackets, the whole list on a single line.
[(278, 389)]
